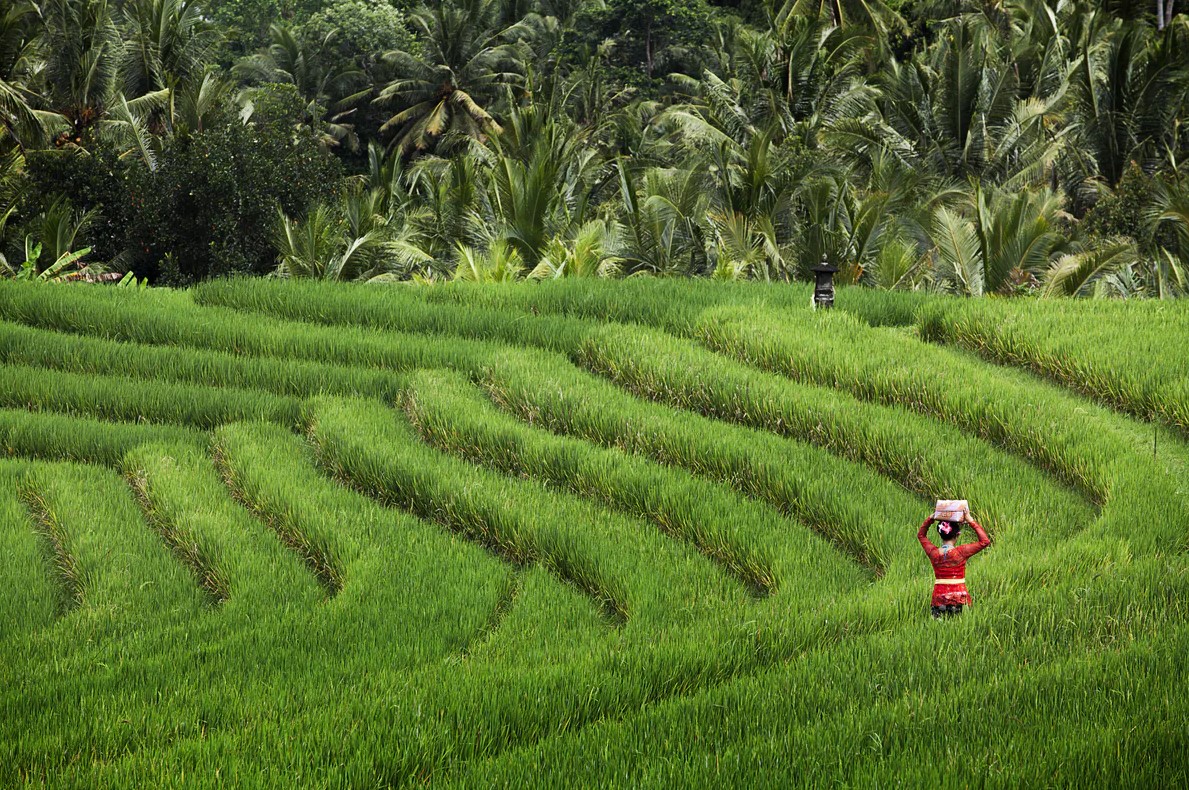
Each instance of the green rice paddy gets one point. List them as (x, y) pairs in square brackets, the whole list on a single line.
[(624, 534)]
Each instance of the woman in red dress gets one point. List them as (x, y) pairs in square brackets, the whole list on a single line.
[(949, 564)]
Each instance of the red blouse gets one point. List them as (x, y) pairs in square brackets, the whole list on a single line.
[(949, 568)]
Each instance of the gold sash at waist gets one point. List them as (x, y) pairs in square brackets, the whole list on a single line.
[(950, 581)]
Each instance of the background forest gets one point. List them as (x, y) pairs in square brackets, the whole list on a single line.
[(1004, 147)]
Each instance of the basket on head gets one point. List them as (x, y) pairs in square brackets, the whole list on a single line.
[(955, 510)]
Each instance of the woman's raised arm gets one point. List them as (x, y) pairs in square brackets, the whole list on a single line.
[(984, 539), (923, 537)]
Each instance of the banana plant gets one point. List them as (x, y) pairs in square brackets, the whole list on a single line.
[(29, 270)]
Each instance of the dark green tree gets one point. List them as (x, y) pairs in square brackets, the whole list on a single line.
[(209, 207), (651, 36)]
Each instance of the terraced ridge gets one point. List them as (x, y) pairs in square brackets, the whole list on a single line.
[(627, 534), (1148, 376)]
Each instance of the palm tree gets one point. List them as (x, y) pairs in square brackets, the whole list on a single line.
[(1091, 272), (199, 103), (83, 57), (745, 248), (444, 204), (1003, 239), (1128, 89), (790, 80), (869, 14), (499, 264), (12, 165), (663, 234), (588, 254), (961, 112), (851, 221), (897, 265), (1036, 36), (50, 251), (317, 247), (394, 250), (1167, 267), (19, 62), (330, 94), (83, 53), (540, 180), (166, 42), (370, 234), (466, 55)]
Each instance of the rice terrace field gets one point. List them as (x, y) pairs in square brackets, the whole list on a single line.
[(637, 533)]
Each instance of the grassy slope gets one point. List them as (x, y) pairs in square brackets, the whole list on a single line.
[(566, 612)]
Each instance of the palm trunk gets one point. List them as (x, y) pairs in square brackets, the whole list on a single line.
[(1160, 14), (648, 48)]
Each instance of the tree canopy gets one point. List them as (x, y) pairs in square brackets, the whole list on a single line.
[(1008, 148)]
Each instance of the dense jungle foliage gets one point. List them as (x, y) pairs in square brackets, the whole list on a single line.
[(1014, 146)]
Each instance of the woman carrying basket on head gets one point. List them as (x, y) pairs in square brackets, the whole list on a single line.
[(949, 561)]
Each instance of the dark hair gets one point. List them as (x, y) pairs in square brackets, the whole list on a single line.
[(949, 530)]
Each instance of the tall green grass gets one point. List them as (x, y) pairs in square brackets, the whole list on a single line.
[(931, 459), (624, 565), (752, 541), (1142, 369), (32, 597), (795, 478), (204, 650), (133, 400), (1086, 446), (388, 567), (540, 622), (176, 321), (58, 437), (521, 314), (234, 557), (390, 309), (888, 308), (899, 711), (106, 558), (29, 347)]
